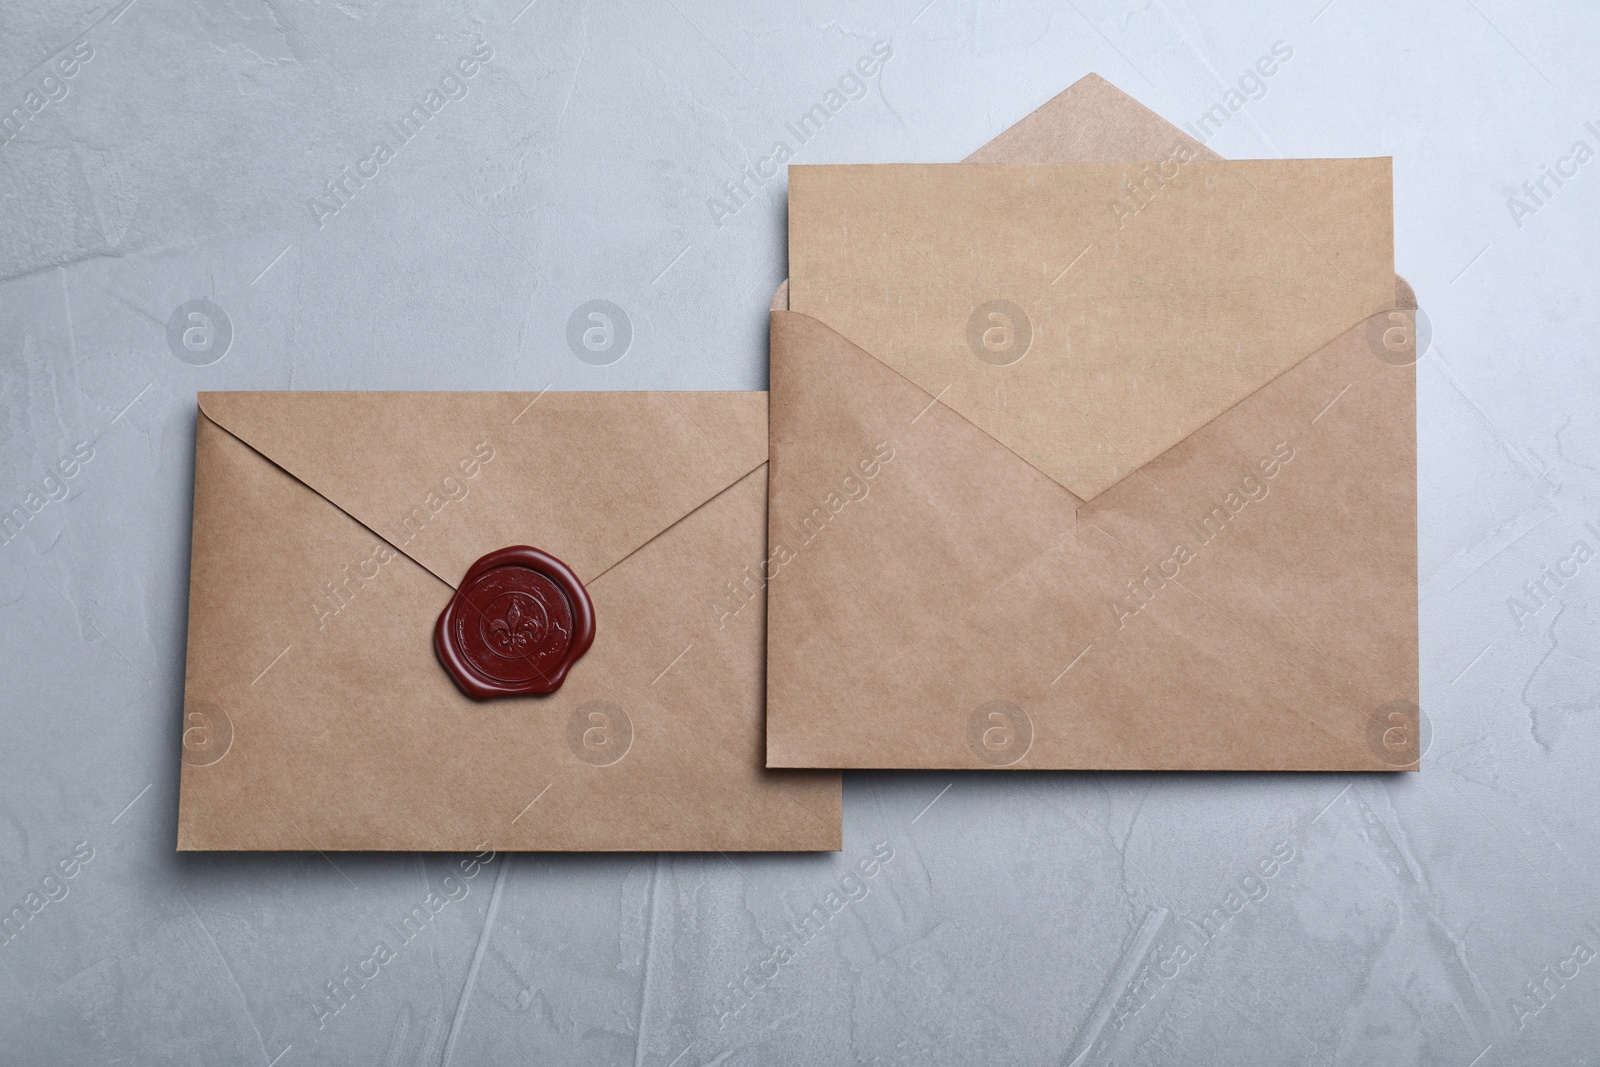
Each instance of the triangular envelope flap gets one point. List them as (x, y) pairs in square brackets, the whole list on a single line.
[(1085, 329), (448, 477), (1090, 121)]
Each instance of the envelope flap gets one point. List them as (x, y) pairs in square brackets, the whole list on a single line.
[(1090, 316), (1090, 121), (448, 477)]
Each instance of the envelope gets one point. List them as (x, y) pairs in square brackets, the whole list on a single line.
[(329, 532), (1093, 464)]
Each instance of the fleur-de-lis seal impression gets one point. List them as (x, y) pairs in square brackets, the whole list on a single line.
[(517, 623)]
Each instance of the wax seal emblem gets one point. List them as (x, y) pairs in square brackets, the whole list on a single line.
[(518, 622)]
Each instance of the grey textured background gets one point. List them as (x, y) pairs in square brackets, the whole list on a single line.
[(1022, 919)]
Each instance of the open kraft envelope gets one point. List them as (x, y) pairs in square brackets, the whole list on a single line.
[(1076, 467), (329, 530)]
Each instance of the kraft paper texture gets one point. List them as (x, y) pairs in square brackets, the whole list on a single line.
[(1102, 466), (1141, 325), (328, 530)]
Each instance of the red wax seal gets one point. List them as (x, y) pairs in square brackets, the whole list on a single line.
[(518, 622)]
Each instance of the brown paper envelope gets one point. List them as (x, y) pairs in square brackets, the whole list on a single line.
[(964, 612), (328, 528)]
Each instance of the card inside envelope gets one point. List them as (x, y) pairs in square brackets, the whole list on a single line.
[(1085, 320), (329, 529), (1139, 486)]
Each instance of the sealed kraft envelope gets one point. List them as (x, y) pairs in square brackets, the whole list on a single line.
[(333, 702), (1095, 465)]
